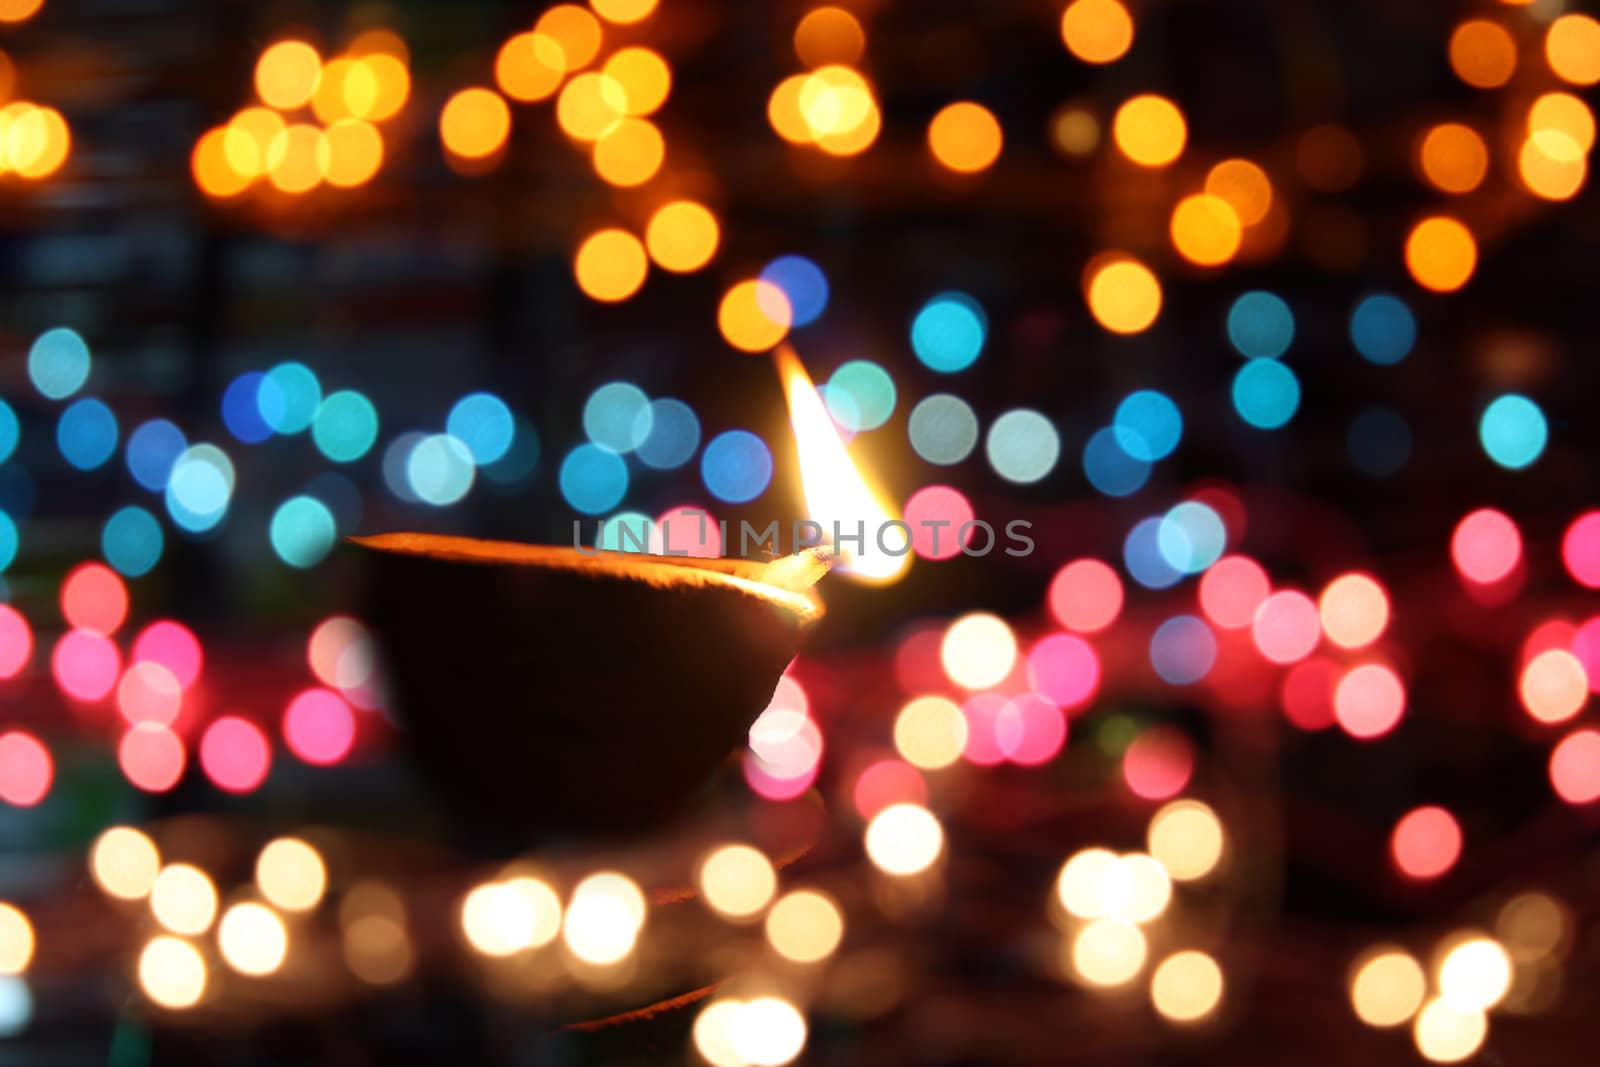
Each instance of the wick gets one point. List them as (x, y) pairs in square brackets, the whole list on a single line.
[(800, 571)]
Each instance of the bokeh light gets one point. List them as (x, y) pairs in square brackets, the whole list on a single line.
[(754, 315), (949, 332), (475, 123), (1123, 295), (965, 137), (1387, 987), (1260, 325), (593, 479), (978, 650), (1426, 843), (1513, 431), (736, 466), (319, 727), (252, 939), (1441, 253), (1150, 130), (124, 863), (904, 839), (1266, 394), (1382, 328), (805, 926), (58, 363), (1486, 546), (1369, 700), (737, 881), (183, 899), (302, 531), (604, 918), (172, 972), (26, 769), (1187, 838), (1097, 31), (1186, 986), (1354, 610), (1022, 446)]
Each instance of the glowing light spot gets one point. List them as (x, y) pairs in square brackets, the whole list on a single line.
[(26, 769), (673, 435), (610, 265), (253, 939), (1205, 230), (737, 881), (152, 757), (937, 515), (1565, 114), (754, 316), (1383, 329), (290, 873), (1097, 31), (949, 332), (1064, 669), (860, 395), (172, 973), (1022, 446), (828, 35), (1186, 986), (440, 470), (930, 732), (172, 645), (1147, 426), (965, 137), (624, 12), (1453, 158), (805, 926), (1554, 686), (1532, 926), (574, 30), (1187, 838), (288, 398), (345, 426), (297, 162), (529, 67), (943, 429), (1108, 952), (1441, 254), (1266, 394), (1286, 626), (1245, 187), (1369, 700), (235, 754), (1124, 296), (978, 650), (1572, 48), (153, 450), (1426, 843), (1231, 591), (1575, 767), (16, 642), (1486, 546), (149, 692), (1482, 53), (593, 479), (904, 839), (736, 466), (1183, 650), (1580, 549), (682, 236), (1141, 554), (183, 899), (1475, 975), (644, 76), (1150, 130), (1158, 763), (303, 531), (319, 727), (1387, 987), (591, 106), (124, 863), (604, 918), (86, 433), (475, 123), (1086, 596), (503, 918), (1260, 325), (14, 11), (1191, 537), (630, 153), (617, 416), (1446, 1035), (1354, 610), (58, 363), (287, 75), (1513, 431)]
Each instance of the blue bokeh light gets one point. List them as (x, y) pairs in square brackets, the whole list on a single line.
[(1192, 537), (241, 409), (593, 479), (132, 541), (627, 531), (1260, 325), (86, 433), (1141, 554), (58, 363), (1148, 425), (803, 282), (288, 397), (1023, 446), (483, 423), (1183, 650), (1383, 329), (860, 395), (1513, 431), (948, 333), (1109, 467), (9, 540), (396, 458), (200, 488), (440, 470), (671, 434), (152, 450), (736, 466), (617, 417), (345, 426), (10, 431), (521, 457), (943, 429), (302, 531), (1266, 393)]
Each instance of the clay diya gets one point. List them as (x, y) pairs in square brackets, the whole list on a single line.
[(551, 692)]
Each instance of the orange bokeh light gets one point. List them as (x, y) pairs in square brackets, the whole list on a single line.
[(829, 35), (475, 123), (1453, 158), (965, 137), (287, 74), (1482, 53), (754, 316), (1097, 31), (1441, 253), (1150, 130), (1124, 296), (1205, 230)]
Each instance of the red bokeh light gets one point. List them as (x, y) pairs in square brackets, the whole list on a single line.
[(1307, 693), (886, 782), (151, 757), (1042, 730), (1426, 843), (1575, 767), (86, 665), (1065, 669), (939, 504), (149, 692), (1586, 646), (686, 530), (1231, 590), (94, 598), (26, 769), (16, 641), (235, 754), (1369, 700), (1486, 546), (1086, 596), (319, 727), (1580, 549), (1158, 764)]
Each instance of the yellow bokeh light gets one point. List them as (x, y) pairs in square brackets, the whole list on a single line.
[(1097, 31), (1079, 885), (297, 160), (904, 839), (253, 939), (978, 650), (19, 10), (290, 873), (1074, 131), (183, 899), (529, 67), (1551, 165), (604, 918), (391, 87), (857, 138), (630, 154), (835, 100), (682, 236), (1563, 113), (1186, 986), (1387, 987), (1150, 130), (16, 940), (214, 175), (623, 12), (805, 926), (502, 918), (610, 265), (1448, 1035), (377, 950), (783, 111), (829, 35), (576, 32), (347, 88), (737, 881), (249, 138), (644, 76), (1095, 883), (1354, 610), (754, 316), (591, 106), (1441, 253), (1108, 952), (1244, 186), (172, 973), (930, 732), (1554, 686), (287, 75), (1482, 53), (37, 142), (124, 863), (1187, 838), (714, 1033), (1475, 975), (764, 1032), (1572, 47), (1124, 296), (1453, 158), (965, 137), (1532, 926), (475, 123), (1206, 230), (355, 152)]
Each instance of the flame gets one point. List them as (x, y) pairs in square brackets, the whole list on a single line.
[(834, 488)]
